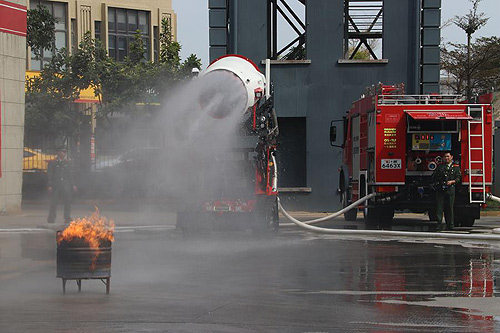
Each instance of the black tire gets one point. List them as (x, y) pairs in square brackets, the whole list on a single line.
[(465, 221), (350, 215), (432, 215), (371, 219), (378, 217), (267, 219), (387, 218)]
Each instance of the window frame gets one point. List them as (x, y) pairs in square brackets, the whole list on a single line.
[(124, 33), (45, 54), (367, 25)]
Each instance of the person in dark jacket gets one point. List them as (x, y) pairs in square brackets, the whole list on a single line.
[(60, 185), (445, 178)]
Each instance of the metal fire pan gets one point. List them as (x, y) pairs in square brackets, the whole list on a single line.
[(74, 260)]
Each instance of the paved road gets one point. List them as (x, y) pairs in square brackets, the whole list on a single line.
[(297, 282)]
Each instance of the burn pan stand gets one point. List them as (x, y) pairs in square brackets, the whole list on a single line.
[(106, 280), (76, 261)]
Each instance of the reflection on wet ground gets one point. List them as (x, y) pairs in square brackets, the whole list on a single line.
[(294, 283)]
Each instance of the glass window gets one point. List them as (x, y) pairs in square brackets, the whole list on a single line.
[(58, 10), (74, 39), (122, 48), (36, 65), (132, 20), (97, 29), (111, 19), (145, 41), (112, 46), (155, 43), (143, 23), (60, 39), (121, 20), (122, 26)]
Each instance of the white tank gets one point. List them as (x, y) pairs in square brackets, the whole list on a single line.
[(231, 84)]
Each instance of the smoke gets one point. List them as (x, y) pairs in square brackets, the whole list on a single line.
[(199, 126)]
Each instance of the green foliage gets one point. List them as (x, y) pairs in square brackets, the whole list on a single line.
[(169, 49), (40, 30), (128, 87), (49, 108), (191, 62), (137, 49)]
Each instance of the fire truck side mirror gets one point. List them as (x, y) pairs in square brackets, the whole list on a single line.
[(333, 134)]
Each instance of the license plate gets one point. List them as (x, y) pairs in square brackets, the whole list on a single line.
[(391, 164)]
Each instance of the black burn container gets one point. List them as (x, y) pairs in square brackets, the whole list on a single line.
[(77, 261)]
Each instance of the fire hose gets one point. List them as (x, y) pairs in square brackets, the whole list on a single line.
[(307, 225)]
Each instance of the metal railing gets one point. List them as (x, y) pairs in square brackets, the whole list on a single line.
[(418, 99)]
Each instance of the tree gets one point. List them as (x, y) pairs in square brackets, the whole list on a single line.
[(137, 49), (191, 62), (50, 112), (40, 30), (474, 69), (470, 23), (169, 49), (123, 87)]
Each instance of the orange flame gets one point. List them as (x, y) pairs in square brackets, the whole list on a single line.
[(91, 229)]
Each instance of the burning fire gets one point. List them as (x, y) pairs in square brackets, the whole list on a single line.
[(91, 229)]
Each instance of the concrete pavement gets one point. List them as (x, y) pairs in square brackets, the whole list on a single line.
[(34, 215), (128, 213)]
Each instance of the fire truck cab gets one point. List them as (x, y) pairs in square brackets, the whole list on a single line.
[(393, 143)]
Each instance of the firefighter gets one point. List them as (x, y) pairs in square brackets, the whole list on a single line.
[(60, 185), (445, 178)]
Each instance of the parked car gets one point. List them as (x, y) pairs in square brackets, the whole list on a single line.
[(36, 161)]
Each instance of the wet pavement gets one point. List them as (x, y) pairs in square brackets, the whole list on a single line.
[(297, 282)]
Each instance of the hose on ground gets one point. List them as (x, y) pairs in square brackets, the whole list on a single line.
[(349, 232), (490, 196), (334, 215)]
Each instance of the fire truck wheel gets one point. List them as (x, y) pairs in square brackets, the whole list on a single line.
[(267, 219), (378, 217), (464, 221), (352, 214)]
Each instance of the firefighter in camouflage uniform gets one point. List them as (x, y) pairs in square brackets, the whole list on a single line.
[(445, 178)]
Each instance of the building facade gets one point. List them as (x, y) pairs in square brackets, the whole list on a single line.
[(337, 49), (12, 69), (112, 22), (115, 24)]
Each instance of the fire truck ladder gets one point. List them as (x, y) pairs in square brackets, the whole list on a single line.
[(478, 185)]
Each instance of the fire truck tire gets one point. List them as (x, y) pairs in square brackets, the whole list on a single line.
[(378, 217), (267, 219), (352, 214), (464, 221)]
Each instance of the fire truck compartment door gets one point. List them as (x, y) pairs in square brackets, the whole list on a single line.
[(438, 115)]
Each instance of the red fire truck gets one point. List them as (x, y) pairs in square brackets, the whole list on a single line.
[(393, 142)]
